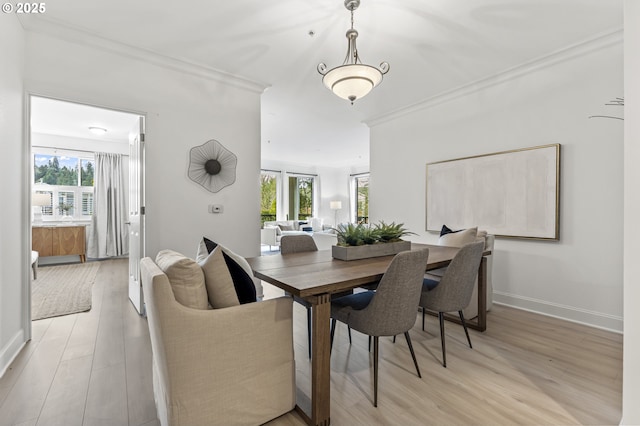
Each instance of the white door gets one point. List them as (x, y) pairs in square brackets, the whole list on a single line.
[(136, 213)]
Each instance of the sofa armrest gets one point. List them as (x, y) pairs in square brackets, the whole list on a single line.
[(268, 236)]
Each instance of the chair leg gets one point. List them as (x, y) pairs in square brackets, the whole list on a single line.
[(375, 371), (394, 338), (369, 343), (464, 325), (413, 354), (309, 330), (333, 331), (349, 331), (423, 319), (444, 349)]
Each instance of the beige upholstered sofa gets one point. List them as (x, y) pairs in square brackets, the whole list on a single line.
[(228, 366)]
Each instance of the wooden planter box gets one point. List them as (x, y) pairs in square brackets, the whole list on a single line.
[(371, 250)]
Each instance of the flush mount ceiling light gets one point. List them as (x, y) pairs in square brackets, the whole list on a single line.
[(352, 80), (98, 130)]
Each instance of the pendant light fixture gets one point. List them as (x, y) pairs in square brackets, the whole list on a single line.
[(352, 80)]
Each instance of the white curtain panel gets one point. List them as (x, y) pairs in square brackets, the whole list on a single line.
[(108, 234)]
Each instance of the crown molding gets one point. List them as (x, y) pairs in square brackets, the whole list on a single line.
[(593, 44), (58, 29)]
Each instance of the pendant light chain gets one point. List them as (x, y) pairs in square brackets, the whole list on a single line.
[(352, 44)]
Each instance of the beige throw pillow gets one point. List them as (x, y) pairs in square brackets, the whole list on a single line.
[(458, 239), (218, 281), (239, 269), (186, 278)]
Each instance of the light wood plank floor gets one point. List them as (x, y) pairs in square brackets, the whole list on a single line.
[(95, 369), (91, 368)]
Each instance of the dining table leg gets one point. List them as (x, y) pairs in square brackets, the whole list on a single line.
[(321, 361)]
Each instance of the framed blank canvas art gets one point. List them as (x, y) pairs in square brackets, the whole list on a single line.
[(510, 194)]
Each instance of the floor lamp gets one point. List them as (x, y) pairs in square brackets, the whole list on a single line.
[(335, 206)]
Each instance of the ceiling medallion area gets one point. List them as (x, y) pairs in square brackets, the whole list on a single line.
[(352, 80)]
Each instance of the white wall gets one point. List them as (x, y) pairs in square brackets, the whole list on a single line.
[(631, 363), (12, 171), (183, 110), (579, 277), (335, 184)]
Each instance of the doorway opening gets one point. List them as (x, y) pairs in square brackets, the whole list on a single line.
[(84, 183)]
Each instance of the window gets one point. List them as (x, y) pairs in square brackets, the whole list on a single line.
[(301, 197), (86, 172), (362, 198), (268, 196), (65, 203), (68, 180), (87, 203)]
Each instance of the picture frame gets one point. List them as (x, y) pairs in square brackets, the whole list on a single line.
[(510, 193)]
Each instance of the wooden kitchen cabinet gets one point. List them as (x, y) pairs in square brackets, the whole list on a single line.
[(59, 241)]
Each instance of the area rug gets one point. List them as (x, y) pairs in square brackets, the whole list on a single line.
[(62, 290)]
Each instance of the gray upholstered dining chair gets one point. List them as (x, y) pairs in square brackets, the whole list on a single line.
[(389, 310), (299, 244), (453, 292)]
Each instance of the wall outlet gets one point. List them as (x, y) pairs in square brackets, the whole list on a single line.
[(215, 208)]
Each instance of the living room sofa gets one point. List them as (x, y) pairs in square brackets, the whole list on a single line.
[(228, 366), (272, 232)]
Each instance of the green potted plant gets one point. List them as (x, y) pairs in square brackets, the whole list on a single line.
[(362, 241), (350, 235), (390, 233)]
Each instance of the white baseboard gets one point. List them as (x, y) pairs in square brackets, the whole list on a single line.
[(569, 313), (10, 351)]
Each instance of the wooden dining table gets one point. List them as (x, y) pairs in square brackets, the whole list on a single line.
[(315, 275)]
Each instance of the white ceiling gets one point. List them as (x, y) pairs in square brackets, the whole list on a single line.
[(433, 46), (61, 118)]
